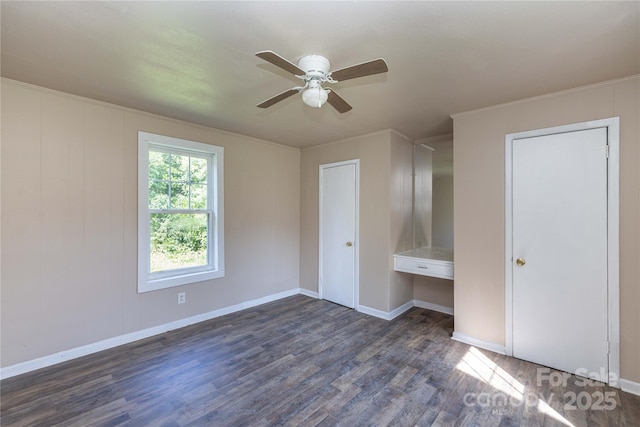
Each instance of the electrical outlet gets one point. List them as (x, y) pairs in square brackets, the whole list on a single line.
[(182, 297)]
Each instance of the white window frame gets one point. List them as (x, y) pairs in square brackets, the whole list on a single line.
[(214, 269)]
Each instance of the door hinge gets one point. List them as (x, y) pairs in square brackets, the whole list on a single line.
[(607, 151)]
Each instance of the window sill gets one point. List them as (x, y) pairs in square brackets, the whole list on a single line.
[(147, 285)]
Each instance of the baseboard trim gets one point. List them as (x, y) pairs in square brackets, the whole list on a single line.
[(63, 356), (74, 353), (496, 348), (374, 312), (433, 307), (398, 311), (386, 315), (630, 386), (390, 315), (309, 293)]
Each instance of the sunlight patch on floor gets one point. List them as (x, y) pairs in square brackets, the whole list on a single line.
[(479, 366)]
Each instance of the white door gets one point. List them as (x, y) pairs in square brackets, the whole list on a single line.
[(559, 250), (338, 229)]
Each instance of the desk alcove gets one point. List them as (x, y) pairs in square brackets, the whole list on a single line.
[(426, 261)]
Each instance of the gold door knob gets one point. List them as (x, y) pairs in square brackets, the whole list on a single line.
[(520, 262), (349, 244)]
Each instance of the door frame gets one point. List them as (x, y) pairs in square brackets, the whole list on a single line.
[(613, 233), (356, 243)]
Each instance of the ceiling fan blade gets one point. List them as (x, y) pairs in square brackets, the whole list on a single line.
[(376, 66), (338, 102), (279, 97), (279, 61)]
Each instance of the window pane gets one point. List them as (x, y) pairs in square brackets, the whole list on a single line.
[(158, 166), (158, 195), (198, 196), (178, 241), (179, 196), (179, 168), (198, 170)]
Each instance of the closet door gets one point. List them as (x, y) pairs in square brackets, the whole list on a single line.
[(559, 250), (338, 230)]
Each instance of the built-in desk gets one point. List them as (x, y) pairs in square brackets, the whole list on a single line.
[(427, 261)]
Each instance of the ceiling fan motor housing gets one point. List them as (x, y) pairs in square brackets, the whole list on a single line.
[(314, 65)]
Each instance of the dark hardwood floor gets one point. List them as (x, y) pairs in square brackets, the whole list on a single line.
[(301, 361)]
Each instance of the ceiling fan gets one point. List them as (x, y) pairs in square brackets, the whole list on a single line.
[(314, 71)]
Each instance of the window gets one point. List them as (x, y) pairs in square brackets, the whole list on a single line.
[(180, 212)]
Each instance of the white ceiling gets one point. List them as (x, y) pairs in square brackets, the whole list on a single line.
[(195, 60)]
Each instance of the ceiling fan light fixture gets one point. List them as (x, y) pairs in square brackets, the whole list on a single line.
[(315, 96), (314, 70)]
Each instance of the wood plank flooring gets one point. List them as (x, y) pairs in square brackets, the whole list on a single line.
[(304, 362)]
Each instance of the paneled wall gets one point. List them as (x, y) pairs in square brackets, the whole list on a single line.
[(479, 204), (69, 224), (385, 214)]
